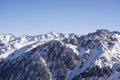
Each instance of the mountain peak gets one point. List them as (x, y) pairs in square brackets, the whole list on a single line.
[(103, 32)]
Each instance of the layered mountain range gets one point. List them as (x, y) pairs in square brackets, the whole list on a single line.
[(58, 56)]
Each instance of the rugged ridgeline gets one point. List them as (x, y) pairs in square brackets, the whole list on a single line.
[(9, 43), (57, 56)]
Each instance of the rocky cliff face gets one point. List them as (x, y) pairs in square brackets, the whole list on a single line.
[(95, 56)]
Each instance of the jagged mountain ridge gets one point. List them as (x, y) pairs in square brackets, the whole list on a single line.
[(95, 56), (9, 43)]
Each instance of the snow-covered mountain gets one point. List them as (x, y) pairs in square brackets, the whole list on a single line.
[(57, 56)]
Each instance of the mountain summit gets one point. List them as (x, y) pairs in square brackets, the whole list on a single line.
[(58, 56)]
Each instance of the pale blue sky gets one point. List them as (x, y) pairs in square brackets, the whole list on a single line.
[(33, 17)]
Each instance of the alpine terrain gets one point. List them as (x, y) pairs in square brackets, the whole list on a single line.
[(58, 56)]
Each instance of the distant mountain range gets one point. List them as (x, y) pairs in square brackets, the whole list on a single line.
[(58, 56)]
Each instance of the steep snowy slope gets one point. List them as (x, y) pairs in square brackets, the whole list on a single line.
[(95, 56), (9, 43)]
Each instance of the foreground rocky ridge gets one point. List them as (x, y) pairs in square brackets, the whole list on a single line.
[(95, 56)]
